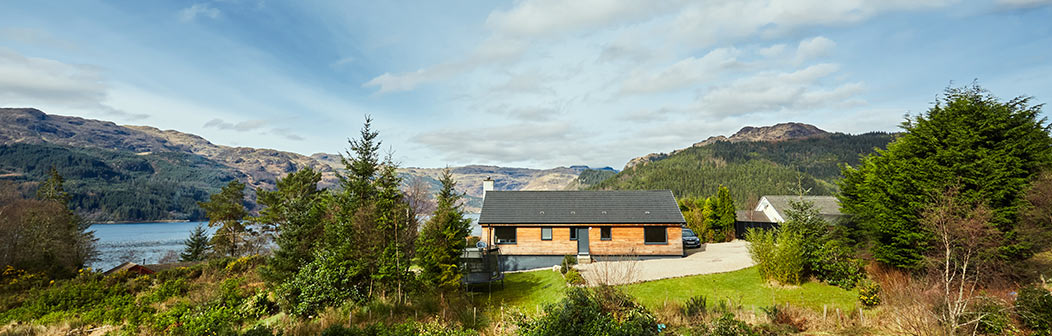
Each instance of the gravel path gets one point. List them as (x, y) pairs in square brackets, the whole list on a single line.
[(714, 258)]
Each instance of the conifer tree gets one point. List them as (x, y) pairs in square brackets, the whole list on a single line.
[(197, 245), (396, 224), (226, 209), (442, 239), (724, 211), (988, 149), (293, 212)]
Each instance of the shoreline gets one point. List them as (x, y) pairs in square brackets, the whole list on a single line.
[(144, 221)]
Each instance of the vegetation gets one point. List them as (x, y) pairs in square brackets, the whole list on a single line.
[(598, 311), (42, 235), (442, 239), (293, 213), (112, 185), (226, 209), (711, 218), (197, 246), (990, 150), (591, 177), (751, 169)]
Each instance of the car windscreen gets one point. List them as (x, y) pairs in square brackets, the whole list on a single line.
[(688, 233)]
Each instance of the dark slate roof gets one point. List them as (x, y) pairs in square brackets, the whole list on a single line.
[(827, 206), (580, 207), (752, 216)]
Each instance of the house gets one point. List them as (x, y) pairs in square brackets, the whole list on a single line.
[(535, 229), (130, 267), (770, 211)]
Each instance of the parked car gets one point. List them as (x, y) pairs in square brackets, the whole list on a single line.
[(690, 240)]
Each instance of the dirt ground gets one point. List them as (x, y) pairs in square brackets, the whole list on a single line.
[(712, 258)]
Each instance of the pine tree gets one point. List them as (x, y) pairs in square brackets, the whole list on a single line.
[(197, 245), (724, 212), (397, 227), (226, 209), (52, 190), (293, 212), (442, 239)]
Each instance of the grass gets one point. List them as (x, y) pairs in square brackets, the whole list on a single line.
[(743, 287), (528, 291)]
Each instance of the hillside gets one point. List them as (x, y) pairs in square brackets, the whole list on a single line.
[(752, 163), (141, 173)]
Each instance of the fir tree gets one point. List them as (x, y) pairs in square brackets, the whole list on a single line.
[(226, 209), (723, 210), (987, 149), (442, 239), (396, 225), (197, 245), (293, 212)]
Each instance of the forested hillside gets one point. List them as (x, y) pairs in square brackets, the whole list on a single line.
[(108, 185), (751, 169)]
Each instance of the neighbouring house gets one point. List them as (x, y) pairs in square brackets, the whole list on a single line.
[(770, 211), (535, 229), (130, 267)]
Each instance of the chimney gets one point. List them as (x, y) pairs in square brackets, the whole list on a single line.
[(487, 185)]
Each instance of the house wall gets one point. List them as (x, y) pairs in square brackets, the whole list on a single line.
[(625, 240), (769, 210)]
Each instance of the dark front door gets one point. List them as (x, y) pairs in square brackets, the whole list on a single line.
[(582, 240)]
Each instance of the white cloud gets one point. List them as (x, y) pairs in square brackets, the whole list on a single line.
[(242, 126), (198, 10), (686, 72), (779, 91), (772, 51), (42, 83), (549, 142), (1024, 3), (544, 17), (813, 48)]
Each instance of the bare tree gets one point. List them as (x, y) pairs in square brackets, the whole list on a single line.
[(964, 240), (418, 194)]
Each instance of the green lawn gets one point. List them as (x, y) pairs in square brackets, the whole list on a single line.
[(525, 290), (742, 287), (530, 290)]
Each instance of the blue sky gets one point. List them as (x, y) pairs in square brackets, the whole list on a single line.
[(531, 83)]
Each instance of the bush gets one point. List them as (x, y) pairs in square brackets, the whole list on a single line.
[(598, 311), (868, 293), (995, 320), (835, 265), (568, 262), (574, 278), (404, 329), (167, 289), (726, 325), (325, 281), (696, 305), (259, 330), (244, 263), (779, 255), (1034, 308)]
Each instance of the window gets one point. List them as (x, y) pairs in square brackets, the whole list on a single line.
[(505, 235), (573, 233), (654, 235), (546, 233), (604, 233)]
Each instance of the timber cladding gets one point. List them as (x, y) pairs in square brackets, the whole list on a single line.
[(625, 239)]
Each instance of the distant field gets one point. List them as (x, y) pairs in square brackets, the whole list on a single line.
[(530, 290)]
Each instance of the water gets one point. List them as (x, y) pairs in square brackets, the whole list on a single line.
[(151, 242)]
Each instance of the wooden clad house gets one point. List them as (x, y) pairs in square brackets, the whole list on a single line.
[(536, 229)]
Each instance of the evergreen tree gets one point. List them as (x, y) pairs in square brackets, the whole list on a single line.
[(723, 210), (442, 239), (226, 209), (293, 212), (987, 149), (709, 215), (397, 227), (52, 190), (74, 229), (197, 245)]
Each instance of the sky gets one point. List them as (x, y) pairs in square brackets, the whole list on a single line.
[(529, 83)]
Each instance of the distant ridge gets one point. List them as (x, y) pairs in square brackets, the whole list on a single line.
[(774, 133)]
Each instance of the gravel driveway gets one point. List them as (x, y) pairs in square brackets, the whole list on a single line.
[(713, 258)]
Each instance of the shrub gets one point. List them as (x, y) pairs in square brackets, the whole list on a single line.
[(325, 281), (834, 265), (573, 277), (259, 330), (785, 319), (166, 290), (778, 254), (696, 305), (868, 293), (404, 329), (994, 317), (244, 263), (1034, 308), (598, 311), (726, 325), (568, 262)]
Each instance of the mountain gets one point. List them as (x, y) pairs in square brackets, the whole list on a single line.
[(775, 133), (141, 173), (755, 161)]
